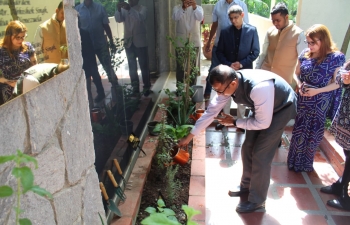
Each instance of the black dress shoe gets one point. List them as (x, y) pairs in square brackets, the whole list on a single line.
[(246, 207), (330, 190), (240, 130), (219, 126), (339, 204), (238, 191)]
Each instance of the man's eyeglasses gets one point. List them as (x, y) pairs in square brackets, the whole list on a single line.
[(221, 92), (18, 38), (311, 43)]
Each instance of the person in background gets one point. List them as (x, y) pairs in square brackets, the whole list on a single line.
[(188, 17), (283, 44), (273, 104), (90, 65), (93, 18), (134, 17), (341, 130), (16, 56), (50, 37), (315, 76), (220, 22)]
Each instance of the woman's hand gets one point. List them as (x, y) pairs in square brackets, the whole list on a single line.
[(345, 76)]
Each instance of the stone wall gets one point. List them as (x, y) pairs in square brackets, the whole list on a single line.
[(52, 123)]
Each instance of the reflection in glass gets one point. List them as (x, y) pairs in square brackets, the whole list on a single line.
[(18, 49), (16, 56)]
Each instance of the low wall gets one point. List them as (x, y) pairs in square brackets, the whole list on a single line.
[(52, 124)]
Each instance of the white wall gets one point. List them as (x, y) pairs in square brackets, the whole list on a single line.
[(333, 14)]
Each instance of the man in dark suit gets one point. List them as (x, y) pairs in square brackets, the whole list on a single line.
[(238, 46)]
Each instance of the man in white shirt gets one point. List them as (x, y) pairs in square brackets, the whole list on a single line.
[(188, 17), (273, 104), (221, 21), (134, 16)]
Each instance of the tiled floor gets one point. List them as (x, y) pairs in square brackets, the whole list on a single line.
[(293, 198)]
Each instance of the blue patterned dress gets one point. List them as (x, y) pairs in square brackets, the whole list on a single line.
[(312, 111), (11, 68), (341, 124)]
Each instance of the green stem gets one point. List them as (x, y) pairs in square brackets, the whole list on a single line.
[(18, 195)]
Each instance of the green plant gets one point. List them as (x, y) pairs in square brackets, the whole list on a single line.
[(165, 216), (186, 57), (173, 185), (165, 142), (177, 132), (25, 182)]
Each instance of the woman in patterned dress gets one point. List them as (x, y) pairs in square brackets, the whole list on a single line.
[(341, 130), (316, 66), (15, 57)]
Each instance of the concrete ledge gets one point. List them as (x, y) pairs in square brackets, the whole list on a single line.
[(333, 152)]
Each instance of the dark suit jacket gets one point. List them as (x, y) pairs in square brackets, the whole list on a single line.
[(249, 48)]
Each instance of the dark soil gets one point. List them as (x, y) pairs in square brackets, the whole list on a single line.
[(156, 183)]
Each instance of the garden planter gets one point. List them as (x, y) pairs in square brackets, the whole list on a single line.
[(126, 127), (96, 115), (197, 93), (151, 126), (180, 156)]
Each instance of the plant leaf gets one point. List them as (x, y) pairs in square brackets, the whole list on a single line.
[(26, 159), (25, 221), (169, 212), (40, 191), (6, 158), (158, 219), (190, 212), (5, 191), (26, 176), (101, 218), (151, 210), (160, 203)]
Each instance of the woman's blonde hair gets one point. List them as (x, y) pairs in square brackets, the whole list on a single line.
[(13, 28), (321, 32)]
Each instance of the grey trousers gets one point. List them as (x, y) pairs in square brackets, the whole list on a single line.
[(257, 152)]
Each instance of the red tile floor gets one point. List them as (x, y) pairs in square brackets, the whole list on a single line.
[(293, 198)]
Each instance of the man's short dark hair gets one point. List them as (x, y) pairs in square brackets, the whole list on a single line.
[(280, 8), (221, 74), (60, 6)]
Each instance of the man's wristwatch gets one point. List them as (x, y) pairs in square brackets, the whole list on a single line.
[(234, 122)]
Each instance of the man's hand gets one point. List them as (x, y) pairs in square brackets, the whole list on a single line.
[(225, 119), (184, 141), (123, 5), (207, 46), (236, 65), (193, 4)]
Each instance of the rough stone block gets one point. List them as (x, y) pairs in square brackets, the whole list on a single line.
[(76, 135), (51, 169), (68, 204), (92, 200)]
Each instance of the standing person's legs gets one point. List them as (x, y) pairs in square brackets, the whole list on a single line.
[(142, 55), (134, 77), (343, 202), (105, 59), (91, 70), (258, 151)]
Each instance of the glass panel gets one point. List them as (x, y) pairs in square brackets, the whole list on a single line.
[(33, 45)]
